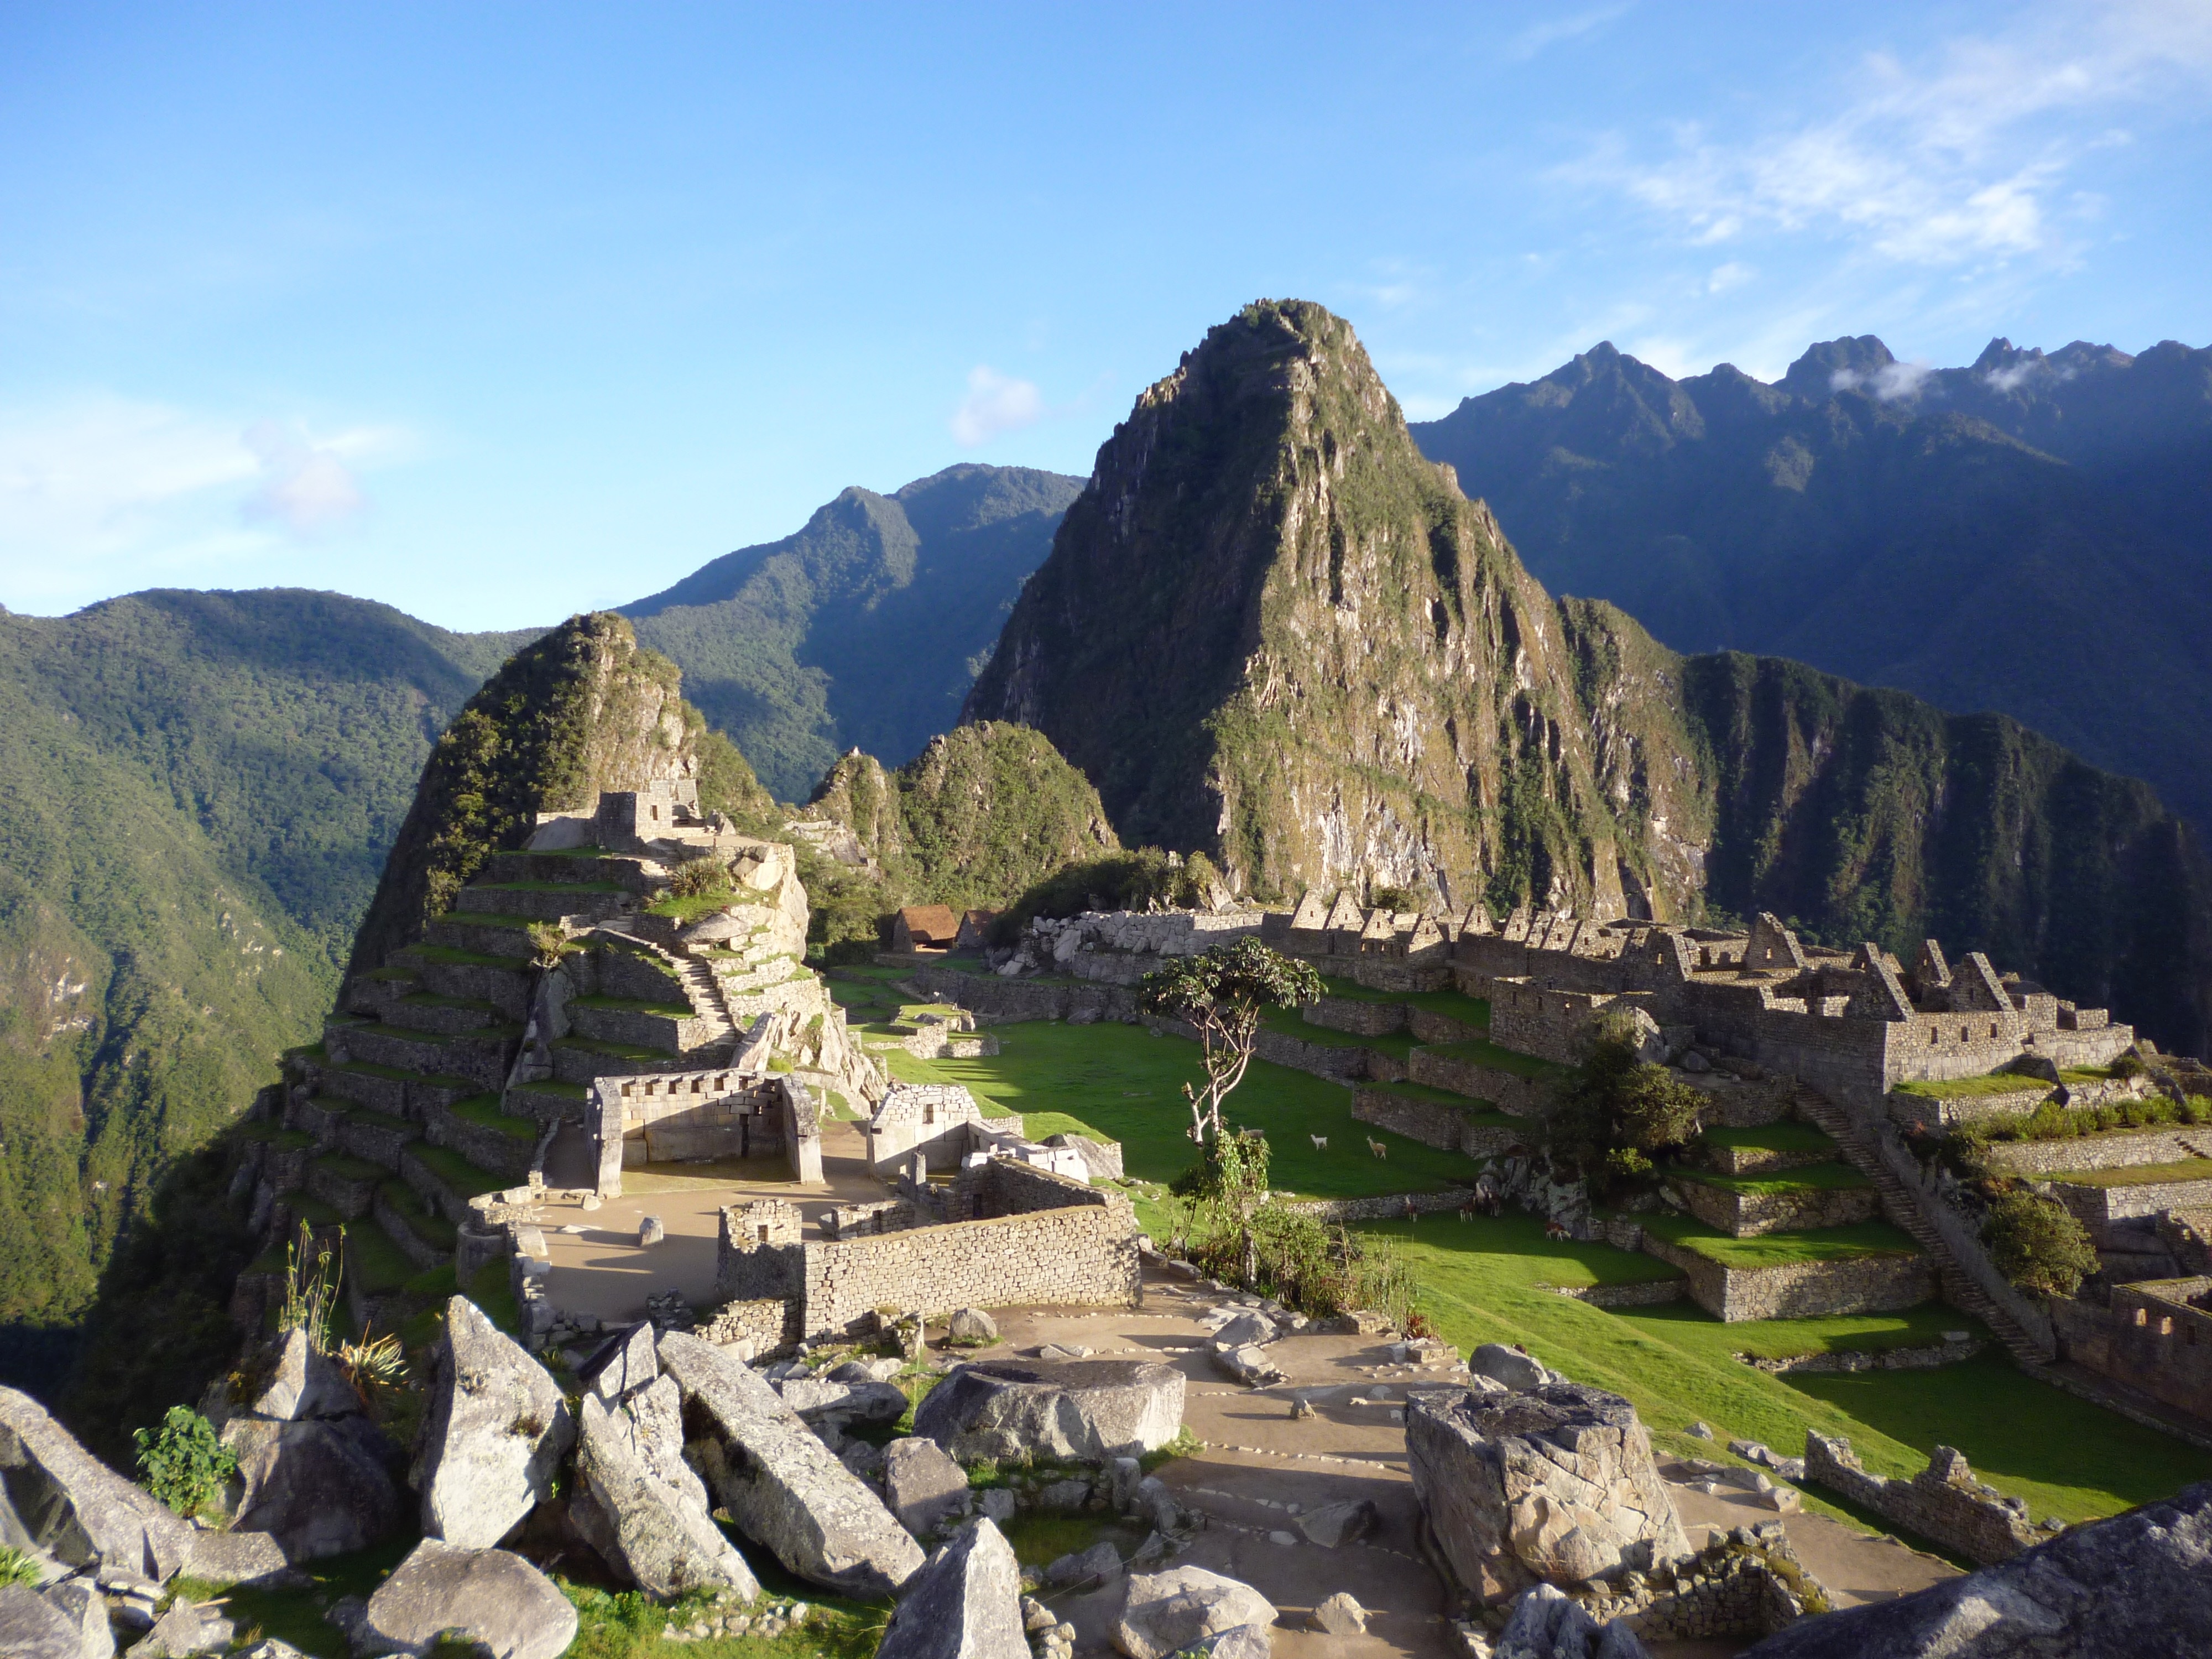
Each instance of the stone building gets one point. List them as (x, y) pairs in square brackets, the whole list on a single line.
[(925, 927)]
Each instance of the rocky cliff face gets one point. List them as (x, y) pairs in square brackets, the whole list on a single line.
[(1271, 631)]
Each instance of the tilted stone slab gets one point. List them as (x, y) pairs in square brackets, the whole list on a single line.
[(497, 1431), (489, 1596), (1164, 1613), (1552, 1484), (319, 1487), (660, 1537), (74, 1506), (2135, 1586), (965, 1604), (31, 1628), (921, 1484), (782, 1486), (1084, 1411)]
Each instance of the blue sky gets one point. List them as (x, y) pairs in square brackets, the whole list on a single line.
[(497, 312)]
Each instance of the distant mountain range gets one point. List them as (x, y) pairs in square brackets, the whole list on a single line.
[(2032, 534)]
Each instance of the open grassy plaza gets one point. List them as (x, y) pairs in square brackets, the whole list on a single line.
[(1493, 1279)]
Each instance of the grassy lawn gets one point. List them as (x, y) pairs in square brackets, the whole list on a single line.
[(456, 1171), (1957, 1088), (1817, 1177), (2136, 1175), (1479, 1282), (483, 1111), (1453, 1005), (1120, 1083), (1785, 1137), (1855, 1242)]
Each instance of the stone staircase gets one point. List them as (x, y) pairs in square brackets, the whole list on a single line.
[(1905, 1206)]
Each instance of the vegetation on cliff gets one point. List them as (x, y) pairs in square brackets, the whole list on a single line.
[(863, 629)]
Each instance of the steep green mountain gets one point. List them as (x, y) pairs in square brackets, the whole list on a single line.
[(980, 817), (2031, 534), (864, 628), (195, 791), (1271, 631)]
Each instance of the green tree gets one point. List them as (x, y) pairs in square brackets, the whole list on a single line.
[(2038, 1244), (1618, 1110), (1222, 993)]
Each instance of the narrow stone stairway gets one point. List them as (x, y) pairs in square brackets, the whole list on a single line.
[(1902, 1203)]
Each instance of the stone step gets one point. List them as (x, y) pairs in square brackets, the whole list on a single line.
[(487, 1136), (396, 1093), (370, 993), (446, 1181), (347, 1184), (543, 901), (425, 1236), (482, 1057), (481, 935), (441, 1016), (586, 867), (635, 1025), (578, 1060), (504, 982), (375, 1137)]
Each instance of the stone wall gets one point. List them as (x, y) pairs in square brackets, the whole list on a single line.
[(1807, 1289), (1438, 1123), (1748, 1214), (2118, 1150), (997, 1002), (763, 1328), (1359, 1017), (2151, 1337), (1381, 1207), (1914, 1111), (1508, 1091), (2098, 1207), (1428, 1026), (1943, 1503), (722, 1112), (1340, 1064)]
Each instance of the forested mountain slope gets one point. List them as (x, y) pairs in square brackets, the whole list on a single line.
[(2030, 534), (864, 628), (1270, 631)]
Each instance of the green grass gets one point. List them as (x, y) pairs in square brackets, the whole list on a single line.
[(1959, 1088), (2136, 1175), (635, 1005), (446, 956), (456, 1171), (1120, 1083), (1820, 1178), (374, 1119), (1783, 1137), (348, 1168), (306, 1207), (483, 1110), (2086, 1074), (611, 1050), (489, 1290), (375, 1263), (692, 909), (1481, 1281), (1481, 1051), (279, 1137), (423, 1222), (1454, 1005), (486, 919), (1285, 1022), (546, 886), (1856, 1243)]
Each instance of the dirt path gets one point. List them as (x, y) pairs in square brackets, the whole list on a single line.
[(1262, 1469)]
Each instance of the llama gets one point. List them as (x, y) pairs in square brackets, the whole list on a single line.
[(1321, 1142), (1378, 1149)]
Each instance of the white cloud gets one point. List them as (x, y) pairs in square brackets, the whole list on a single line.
[(1889, 383), (1537, 36), (1734, 274), (101, 493), (305, 487), (1954, 161), (995, 404)]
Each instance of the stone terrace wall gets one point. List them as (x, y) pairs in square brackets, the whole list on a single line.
[(1508, 1091), (996, 1001), (2098, 1207), (2104, 1151), (1358, 1017), (2150, 1338), (1922, 1112), (1813, 1290), (1944, 1504), (1435, 1123), (1746, 1215)]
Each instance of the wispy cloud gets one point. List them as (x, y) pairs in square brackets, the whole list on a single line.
[(996, 403), (100, 491), (1550, 33), (1956, 161), (1889, 383)]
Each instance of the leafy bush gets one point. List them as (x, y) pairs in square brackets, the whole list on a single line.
[(1394, 898), (696, 878), (2051, 1121), (1222, 993), (1617, 1111), (186, 1466), (2038, 1244)]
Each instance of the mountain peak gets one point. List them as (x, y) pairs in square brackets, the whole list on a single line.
[(1833, 366)]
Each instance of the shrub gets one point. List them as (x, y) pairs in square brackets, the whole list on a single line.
[(696, 877), (186, 1466), (1616, 1103), (549, 945), (2129, 1065), (2038, 1244), (17, 1568), (1394, 898)]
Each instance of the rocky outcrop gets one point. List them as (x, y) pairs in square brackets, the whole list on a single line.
[(642, 1509), (1547, 1623), (966, 1603), (238, 1557), (622, 1363), (487, 1596), (31, 1627), (495, 1435), (1552, 1484), (1170, 1613), (923, 1487), (783, 1488), (2135, 1586), (849, 1405), (1082, 1411), (75, 1507)]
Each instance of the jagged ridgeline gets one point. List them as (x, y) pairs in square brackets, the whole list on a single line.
[(1271, 631)]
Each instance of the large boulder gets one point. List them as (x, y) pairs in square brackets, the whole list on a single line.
[(966, 1603), (1170, 1613), (2134, 1586), (319, 1487), (296, 1383), (1554, 1484), (496, 1432), (75, 1507), (923, 1487), (79, 1600), (238, 1557), (621, 1364), (488, 1596), (1546, 1623), (847, 1405), (658, 1537), (1084, 1411), (1510, 1366), (31, 1627), (782, 1486)]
